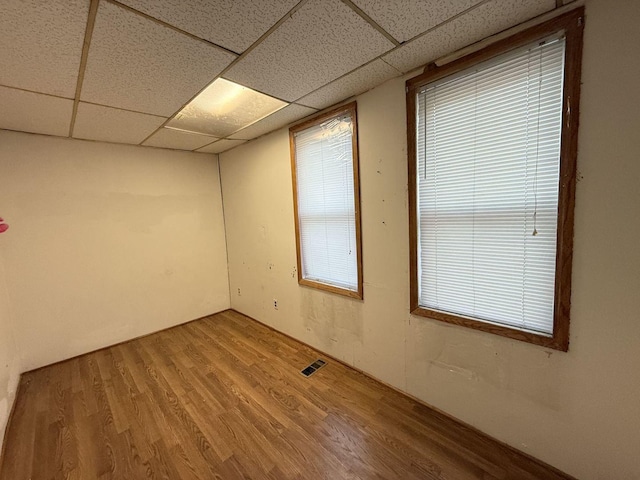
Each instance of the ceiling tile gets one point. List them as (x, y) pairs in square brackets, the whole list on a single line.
[(274, 121), (95, 122), (138, 64), (170, 138), (361, 80), (321, 41), (221, 146), (233, 24), (224, 107), (42, 44), (484, 20), (34, 112), (404, 20)]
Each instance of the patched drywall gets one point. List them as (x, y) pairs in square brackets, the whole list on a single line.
[(107, 242), (579, 410)]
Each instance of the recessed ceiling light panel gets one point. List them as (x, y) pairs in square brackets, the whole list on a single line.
[(225, 107)]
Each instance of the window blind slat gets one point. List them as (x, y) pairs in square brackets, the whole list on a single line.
[(488, 159), (325, 201)]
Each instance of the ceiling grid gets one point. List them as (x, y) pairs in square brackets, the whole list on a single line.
[(91, 20), (125, 70)]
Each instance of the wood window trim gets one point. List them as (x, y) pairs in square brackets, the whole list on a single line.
[(572, 23), (351, 110)]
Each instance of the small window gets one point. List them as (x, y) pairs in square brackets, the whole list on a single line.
[(492, 164), (326, 194)]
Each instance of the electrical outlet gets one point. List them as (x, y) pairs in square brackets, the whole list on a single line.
[(275, 304), (239, 294)]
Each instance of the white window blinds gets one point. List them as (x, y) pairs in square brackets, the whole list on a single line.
[(326, 203), (488, 156)]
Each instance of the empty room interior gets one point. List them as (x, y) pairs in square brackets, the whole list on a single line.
[(320, 239)]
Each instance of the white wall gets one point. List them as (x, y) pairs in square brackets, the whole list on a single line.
[(579, 411), (107, 242), (9, 361)]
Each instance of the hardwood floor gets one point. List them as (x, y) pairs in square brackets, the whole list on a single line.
[(222, 398)]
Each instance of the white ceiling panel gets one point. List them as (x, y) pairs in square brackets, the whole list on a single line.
[(484, 20), (34, 112), (221, 146), (321, 41), (405, 19), (95, 122), (274, 121), (42, 44), (223, 108), (170, 138), (233, 24), (138, 64), (356, 82)]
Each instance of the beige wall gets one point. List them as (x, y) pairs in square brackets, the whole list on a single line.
[(107, 242), (9, 361), (580, 410)]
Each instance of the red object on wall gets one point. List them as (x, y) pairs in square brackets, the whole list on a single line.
[(3, 226)]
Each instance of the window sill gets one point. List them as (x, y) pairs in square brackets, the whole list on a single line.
[(331, 288), (557, 342)]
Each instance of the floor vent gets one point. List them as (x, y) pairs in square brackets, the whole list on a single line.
[(311, 369)]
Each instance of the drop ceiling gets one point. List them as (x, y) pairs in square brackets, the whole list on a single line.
[(122, 71)]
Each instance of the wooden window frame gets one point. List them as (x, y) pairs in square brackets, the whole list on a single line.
[(572, 24), (351, 110)]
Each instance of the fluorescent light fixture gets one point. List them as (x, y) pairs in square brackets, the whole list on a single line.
[(223, 108)]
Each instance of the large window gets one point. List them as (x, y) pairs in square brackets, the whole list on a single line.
[(492, 175), (324, 162)]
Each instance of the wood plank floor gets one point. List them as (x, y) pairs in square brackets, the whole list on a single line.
[(222, 398)]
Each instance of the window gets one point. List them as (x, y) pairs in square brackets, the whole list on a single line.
[(492, 164), (326, 193)]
